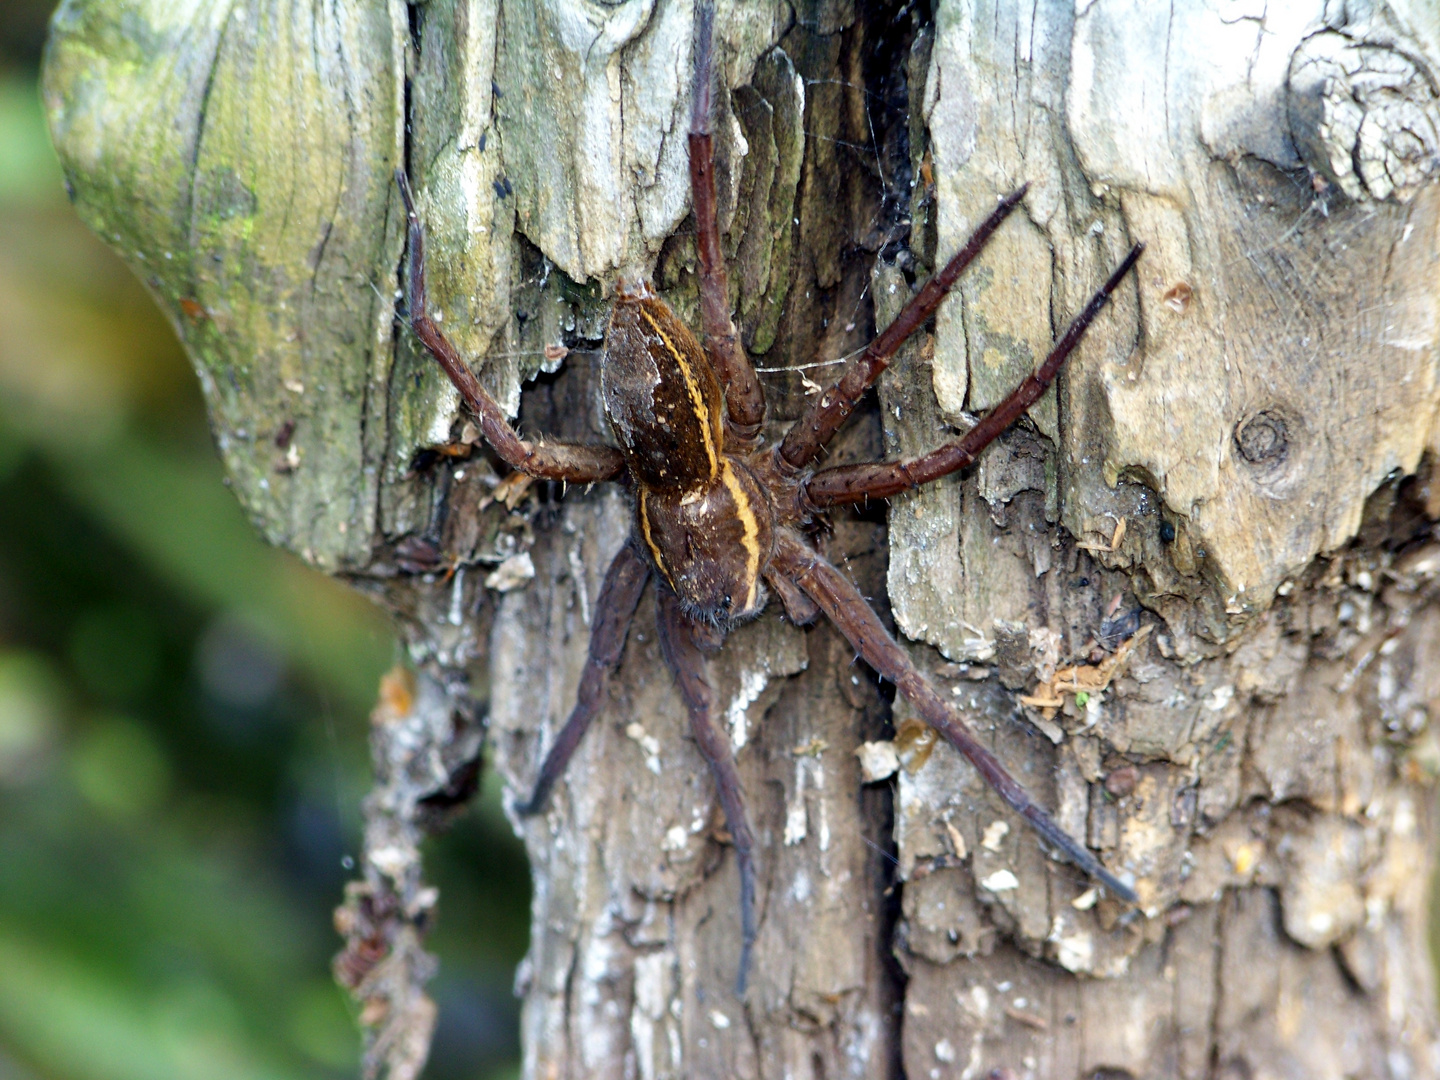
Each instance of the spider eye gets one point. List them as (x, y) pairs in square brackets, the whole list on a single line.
[(727, 599)]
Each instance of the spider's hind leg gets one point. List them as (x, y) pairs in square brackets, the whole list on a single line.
[(744, 399), (614, 608), (678, 642), (853, 617)]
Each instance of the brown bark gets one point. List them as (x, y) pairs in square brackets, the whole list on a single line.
[(1221, 523)]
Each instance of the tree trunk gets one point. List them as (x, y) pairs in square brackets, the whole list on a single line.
[(1210, 552)]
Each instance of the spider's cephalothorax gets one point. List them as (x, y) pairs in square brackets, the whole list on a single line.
[(717, 515)]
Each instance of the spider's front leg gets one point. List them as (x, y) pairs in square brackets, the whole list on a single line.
[(809, 435), (678, 642), (882, 479), (853, 617), (744, 399), (614, 608), (575, 463)]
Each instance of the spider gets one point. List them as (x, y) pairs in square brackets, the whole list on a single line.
[(718, 515)]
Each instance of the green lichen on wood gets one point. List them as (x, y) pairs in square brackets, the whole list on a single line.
[(772, 111), (239, 156)]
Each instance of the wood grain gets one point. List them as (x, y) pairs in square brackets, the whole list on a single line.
[(1258, 411)]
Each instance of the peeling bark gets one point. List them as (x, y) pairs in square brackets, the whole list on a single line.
[(1207, 562)]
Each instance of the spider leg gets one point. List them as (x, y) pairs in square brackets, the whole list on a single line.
[(744, 399), (808, 436), (847, 609), (553, 461), (677, 642), (882, 479), (614, 608)]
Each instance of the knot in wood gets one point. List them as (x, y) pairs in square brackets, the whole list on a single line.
[(1365, 116), (1264, 439)]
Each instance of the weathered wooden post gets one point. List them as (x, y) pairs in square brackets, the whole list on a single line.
[(1207, 565)]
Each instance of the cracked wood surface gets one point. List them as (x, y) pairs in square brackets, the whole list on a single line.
[(1237, 466)]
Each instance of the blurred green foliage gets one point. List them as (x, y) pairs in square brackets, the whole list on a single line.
[(182, 710)]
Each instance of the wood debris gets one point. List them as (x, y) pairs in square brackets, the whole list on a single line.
[(509, 491), (1114, 544), (1082, 678), (1029, 1019), (425, 749)]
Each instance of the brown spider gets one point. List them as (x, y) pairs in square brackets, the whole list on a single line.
[(717, 513)]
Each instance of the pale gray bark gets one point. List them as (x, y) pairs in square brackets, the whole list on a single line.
[(1237, 464)]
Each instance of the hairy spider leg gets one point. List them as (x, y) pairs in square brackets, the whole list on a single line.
[(678, 642), (614, 609), (577, 464), (809, 435), (744, 398), (853, 617), (882, 479)]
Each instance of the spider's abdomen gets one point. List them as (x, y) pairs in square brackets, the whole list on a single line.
[(713, 545), (662, 399)]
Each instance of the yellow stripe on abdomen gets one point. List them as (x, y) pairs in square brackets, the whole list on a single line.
[(644, 516), (751, 539)]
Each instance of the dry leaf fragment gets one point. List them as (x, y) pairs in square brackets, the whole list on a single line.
[(509, 491), (956, 840), (1082, 678)]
